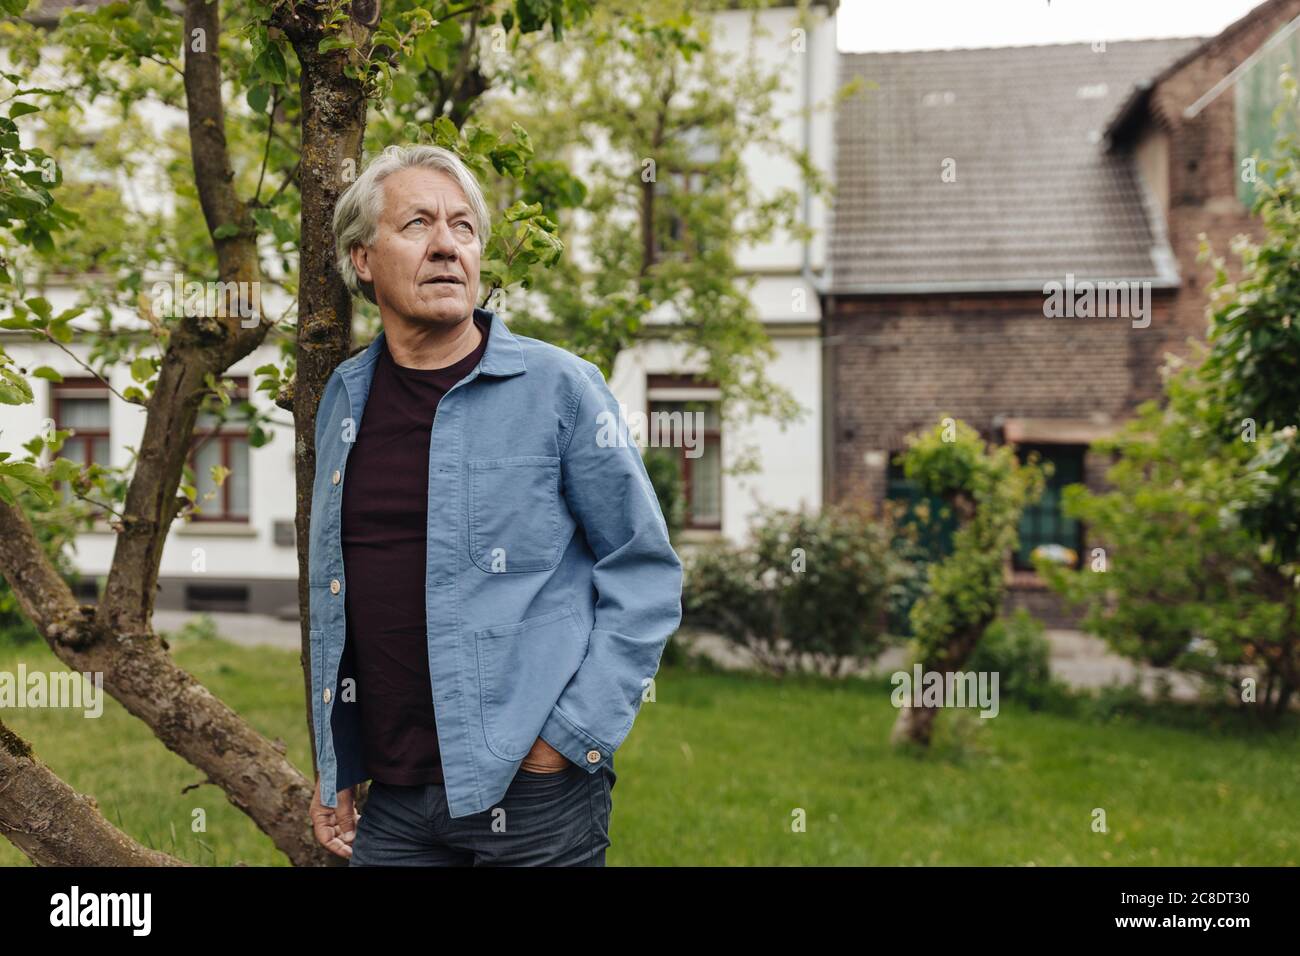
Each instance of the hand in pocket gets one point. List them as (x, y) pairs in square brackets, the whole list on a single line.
[(544, 758)]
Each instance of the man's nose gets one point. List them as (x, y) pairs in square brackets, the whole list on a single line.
[(441, 242)]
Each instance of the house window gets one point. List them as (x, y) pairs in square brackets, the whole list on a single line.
[(930, 518), (1045, 523), (225, 444), (1257, 95), (231, 598), (930, 515), (81, 405), (674, 189), (671, 398)]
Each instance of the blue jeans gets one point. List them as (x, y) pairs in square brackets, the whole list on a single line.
[(544, 819)]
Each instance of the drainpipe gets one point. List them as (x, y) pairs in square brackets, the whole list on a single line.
[(813, 283)]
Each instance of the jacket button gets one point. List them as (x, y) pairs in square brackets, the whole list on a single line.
[(593, 756), (335, 587), (326, 695), (337, 476)]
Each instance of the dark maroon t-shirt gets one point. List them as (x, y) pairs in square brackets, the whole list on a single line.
[(385, 505)]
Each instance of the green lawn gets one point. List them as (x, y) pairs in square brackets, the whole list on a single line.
[(718, 765)]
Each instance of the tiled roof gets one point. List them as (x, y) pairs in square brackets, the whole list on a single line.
[(1035, 194)]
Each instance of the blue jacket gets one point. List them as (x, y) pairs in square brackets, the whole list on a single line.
[(551, 587)]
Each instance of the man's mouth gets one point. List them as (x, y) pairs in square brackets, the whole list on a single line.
[(450, 280)]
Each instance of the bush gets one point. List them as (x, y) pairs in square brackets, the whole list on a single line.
[(666, 478), (1017, 649), (986, 489), (201, 627), (14, 626), (815, 584), (1202, 529)]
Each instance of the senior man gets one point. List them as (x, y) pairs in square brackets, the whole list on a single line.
[(492, 584)]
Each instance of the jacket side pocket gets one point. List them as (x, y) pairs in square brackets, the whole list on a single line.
[(522, 669)]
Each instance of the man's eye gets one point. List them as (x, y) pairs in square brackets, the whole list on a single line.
[(466, 224), (416, 219)]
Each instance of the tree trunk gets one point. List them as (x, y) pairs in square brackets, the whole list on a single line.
[(139, 673), (915, 725), (333, 127), (52, 824), (117, 639)]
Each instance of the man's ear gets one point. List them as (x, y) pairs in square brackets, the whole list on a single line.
[(360, 263)]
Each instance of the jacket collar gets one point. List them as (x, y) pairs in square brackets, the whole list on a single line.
[(503, 355)]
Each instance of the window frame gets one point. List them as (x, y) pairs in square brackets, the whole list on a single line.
[(225, 434), (935, 536), (83, 436), (1022, 450), (685, 180), (686, 387)]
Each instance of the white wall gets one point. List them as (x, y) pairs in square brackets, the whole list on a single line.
[(790, 474), (232, 550), (790, 471), (816, 64), (790, 460)]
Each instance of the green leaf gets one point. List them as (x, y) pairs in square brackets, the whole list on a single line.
[(22, 109), (225, 231), (14, 389), (40, 306), (258, 97), (274, 58), (64, 469), (55, 442), (142, 368), (29, 475), (47, 373), (335, 43)]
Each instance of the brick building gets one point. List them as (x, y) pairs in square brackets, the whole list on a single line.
[(971, 181)]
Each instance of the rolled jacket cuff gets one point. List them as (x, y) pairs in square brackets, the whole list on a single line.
[(575, 743)]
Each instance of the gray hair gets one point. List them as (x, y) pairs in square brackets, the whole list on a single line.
[(357, 212)]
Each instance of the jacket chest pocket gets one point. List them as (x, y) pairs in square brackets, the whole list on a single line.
[(515, 509)]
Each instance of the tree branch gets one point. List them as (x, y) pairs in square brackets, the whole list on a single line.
[(266, 151), (52, 824), (200, 346), (97, 504), (43, 595)]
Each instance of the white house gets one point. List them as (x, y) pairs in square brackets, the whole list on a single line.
[(239, 554), (787, 279)]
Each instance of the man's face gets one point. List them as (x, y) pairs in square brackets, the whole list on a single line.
[(427, 232)]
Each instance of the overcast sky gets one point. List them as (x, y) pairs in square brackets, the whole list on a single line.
[(872, 25)]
